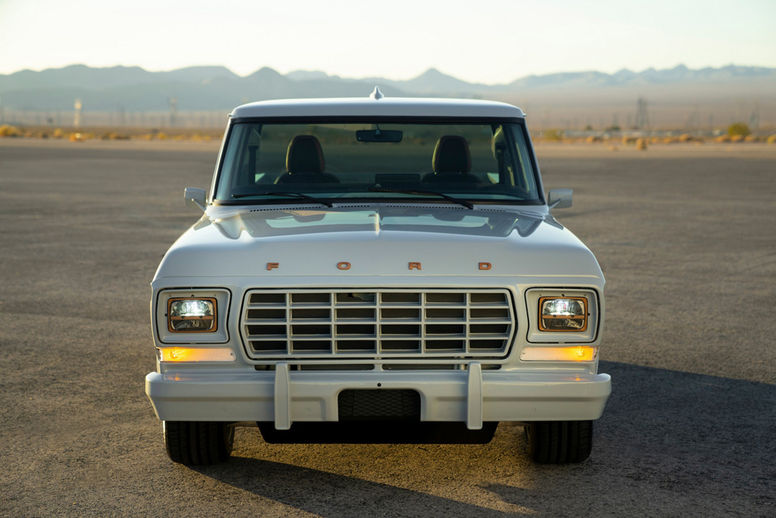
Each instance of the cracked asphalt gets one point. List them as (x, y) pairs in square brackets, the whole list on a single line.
[(684, 235)]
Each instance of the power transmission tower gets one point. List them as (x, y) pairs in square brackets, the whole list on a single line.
[(173, 102), (77, 107), (642, 118), (754, 117)]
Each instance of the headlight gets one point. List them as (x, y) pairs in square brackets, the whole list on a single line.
[(563, 314), (192, 315)]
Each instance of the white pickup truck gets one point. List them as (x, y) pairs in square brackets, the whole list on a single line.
[(383, 260)]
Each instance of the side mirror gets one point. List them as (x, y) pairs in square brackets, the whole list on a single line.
[(195, 197), (559, 198)]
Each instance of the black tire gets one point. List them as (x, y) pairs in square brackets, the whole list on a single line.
[(559, 442), (198, 443)]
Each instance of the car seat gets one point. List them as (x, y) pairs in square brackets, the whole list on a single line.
[(305, 162), (451, 162)]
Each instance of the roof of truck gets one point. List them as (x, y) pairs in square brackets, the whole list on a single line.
[(378, 106)]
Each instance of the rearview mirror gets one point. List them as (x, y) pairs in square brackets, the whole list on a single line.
[(195, 197), (559, 198), (378, 135)]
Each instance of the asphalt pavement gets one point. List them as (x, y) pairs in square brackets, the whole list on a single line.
[(684, 235)]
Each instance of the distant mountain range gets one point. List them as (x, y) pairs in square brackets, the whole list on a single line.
[(580, 97)]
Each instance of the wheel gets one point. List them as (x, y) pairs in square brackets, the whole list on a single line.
[(559, 442), (198, 443)]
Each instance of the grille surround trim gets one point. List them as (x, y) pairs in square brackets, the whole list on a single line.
[(346, 324)]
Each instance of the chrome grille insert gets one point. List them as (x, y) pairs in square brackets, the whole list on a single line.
[(385, 323)]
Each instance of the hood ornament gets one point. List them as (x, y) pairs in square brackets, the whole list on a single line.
[(376, 94)]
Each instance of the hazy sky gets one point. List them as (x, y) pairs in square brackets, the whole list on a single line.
[(476, 40)]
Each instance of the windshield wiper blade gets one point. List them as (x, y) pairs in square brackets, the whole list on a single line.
[(283, 193), (459, 201)]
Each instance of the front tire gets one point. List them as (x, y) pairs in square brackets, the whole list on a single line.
[(196, 443), (559, 442)]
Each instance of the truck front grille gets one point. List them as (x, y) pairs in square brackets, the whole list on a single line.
[(385, 323)]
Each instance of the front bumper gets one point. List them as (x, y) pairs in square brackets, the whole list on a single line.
[(470, 396)]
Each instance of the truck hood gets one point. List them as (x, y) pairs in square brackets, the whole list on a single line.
[(378, 241)]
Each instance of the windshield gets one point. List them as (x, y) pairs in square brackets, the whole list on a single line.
[(310, 162)]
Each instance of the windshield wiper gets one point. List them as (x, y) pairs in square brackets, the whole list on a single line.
[(283, 193), (459, 201)]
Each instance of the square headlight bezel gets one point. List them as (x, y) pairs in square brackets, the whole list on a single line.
[(536, 334), (218, 335)]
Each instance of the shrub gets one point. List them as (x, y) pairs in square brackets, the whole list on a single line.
[(641, 144), (9, 131), (553, 134), (772, 139), (738, 128)]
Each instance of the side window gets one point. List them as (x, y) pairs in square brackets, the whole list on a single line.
[(230, 162), (524, 173), (498, 146)]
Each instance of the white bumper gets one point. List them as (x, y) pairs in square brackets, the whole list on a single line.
[(470, 396)]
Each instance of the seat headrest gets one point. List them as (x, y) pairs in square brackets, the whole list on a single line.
[(451, 155), (304, 155)]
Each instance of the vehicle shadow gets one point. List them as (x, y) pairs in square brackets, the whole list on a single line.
[(669, 443), (334, 495)]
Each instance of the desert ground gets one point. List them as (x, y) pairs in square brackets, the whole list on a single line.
[(685, 236)]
